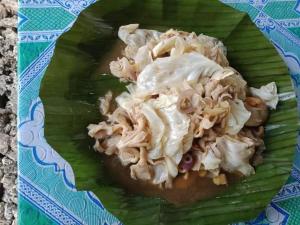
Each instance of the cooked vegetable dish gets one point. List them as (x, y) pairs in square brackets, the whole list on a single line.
[(185, 109)]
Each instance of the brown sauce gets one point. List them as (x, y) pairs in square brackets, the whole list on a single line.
[(184, 191), (111, 55)]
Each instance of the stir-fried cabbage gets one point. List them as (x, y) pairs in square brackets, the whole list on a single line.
[(185, 109)]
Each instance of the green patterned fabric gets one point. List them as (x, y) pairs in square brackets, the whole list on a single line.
[(41, 23)]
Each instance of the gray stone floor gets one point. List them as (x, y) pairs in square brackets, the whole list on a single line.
[(8, 109)]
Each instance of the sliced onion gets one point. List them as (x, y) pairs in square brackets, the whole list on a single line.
[(187, 162)]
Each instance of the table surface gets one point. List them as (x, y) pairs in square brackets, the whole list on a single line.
[(40, 23)]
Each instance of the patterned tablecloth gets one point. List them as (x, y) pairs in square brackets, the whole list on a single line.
[(41, 22)]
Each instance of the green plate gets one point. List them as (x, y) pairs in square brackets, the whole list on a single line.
[(73, 83)]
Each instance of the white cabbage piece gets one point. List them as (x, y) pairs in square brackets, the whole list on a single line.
[(174, 45), (131, 88), (142, 58), (268, 93), (187, 140), (237, 117), (198, 160), (133, 138), (161, 173), (128, 101), (173, 71), (236, 154), (178, 42), (126, 31), (214, 49), (157, 128), (125, 101), (128, 156), (131, 35), (172, 166), (235, 81), (123, 69), (212, 42), (142, 170), (165, 101), (100, 130), (212, 158), (210, 161), (136, 38), (226, 73), (177, 126), (109, 146), (179, 47), (169, 128), (105, 103), (164, 46)]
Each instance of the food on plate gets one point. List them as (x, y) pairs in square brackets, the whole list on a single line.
[(185, 110)]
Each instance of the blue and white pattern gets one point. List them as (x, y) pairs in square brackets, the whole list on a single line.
[(36, 156), (31, 135), (289, 23), (297, 7), (296, 173), (31, 140), (36, 68), (21, 19), (276, 215), (57, 212), (259, 4), (273, 215), (291, 60), (288, 191), (39, 36), (38, 3), (264, 22), (75, 6)]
